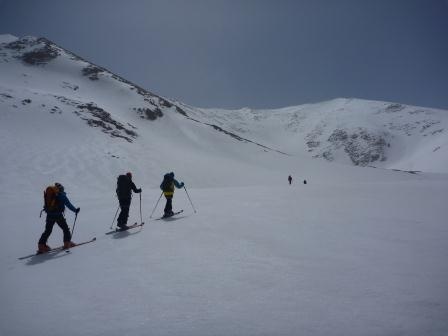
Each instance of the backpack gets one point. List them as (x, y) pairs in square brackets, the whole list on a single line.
[(123, 186), (51, 202), (167, 182)]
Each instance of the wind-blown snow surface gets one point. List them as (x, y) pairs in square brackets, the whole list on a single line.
[(355, 251)]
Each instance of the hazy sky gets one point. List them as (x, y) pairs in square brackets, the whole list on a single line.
[(255, 53)]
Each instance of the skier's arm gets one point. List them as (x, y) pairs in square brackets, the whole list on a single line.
[(178, 185), (67, 203), (134, 188)]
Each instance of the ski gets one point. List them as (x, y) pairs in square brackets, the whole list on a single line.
[(174, 214), (133, 226), (57, 249)]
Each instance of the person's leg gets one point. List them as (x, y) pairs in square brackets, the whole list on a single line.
[(124, 214), (168, 206), (48, 229), (63, 225), (42, 244)]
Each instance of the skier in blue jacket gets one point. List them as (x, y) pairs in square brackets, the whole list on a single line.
[(55, 214)]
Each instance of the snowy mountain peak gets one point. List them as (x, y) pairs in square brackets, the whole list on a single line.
[(7, 38), (32, 51)]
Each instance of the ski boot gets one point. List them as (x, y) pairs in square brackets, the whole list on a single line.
[(168, 214), (43, 248), (69, 244)]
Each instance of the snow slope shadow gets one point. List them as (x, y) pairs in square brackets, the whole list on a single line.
[(41, 258), (124, 234), (172, 219)]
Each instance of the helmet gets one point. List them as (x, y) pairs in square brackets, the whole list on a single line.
[(59, 186), (129, 174)]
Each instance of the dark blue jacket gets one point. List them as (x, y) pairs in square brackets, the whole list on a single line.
[(63, 201)]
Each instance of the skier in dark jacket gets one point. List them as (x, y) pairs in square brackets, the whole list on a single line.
[(125, 186), (167, 186), (55, 214), (290, 179)]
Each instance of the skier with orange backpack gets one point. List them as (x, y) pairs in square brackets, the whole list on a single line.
[(55, 202)]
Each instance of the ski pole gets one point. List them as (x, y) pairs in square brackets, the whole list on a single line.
[(141, 219), (74, 223), (113, 221), (156, 205), (190, 199)]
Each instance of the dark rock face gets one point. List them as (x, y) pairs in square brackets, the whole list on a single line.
[(41, 56), (34, 51), (91, 71), (20, 44), (362, 146), (149, 113), (96, 116)]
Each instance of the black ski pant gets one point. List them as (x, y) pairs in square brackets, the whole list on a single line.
[(125, 204), (169, 205), (50, 221)]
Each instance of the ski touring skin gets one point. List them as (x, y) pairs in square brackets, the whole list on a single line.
[(133, 226), (57, 249)]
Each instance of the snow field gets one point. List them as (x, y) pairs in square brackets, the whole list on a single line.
[(315, 259)]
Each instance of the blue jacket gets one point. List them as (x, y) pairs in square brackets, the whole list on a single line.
[(177, 184), (63, 201)]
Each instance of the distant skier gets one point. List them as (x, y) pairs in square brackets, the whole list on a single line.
[(167, 186), (56, 200), (290, 179), (125, 186)]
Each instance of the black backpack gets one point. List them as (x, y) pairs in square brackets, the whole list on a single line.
[(123, 186), (167, 182)]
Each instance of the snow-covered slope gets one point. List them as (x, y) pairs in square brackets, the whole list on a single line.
[(58, 110), (355, 251), (351, 131)]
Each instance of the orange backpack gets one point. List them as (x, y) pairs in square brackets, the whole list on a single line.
[(51, 203)]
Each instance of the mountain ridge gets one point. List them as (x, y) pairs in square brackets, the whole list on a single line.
[(347, 130), (344, 130)]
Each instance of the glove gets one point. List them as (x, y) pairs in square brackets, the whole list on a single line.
[(77, 210), (181, 184), (139, 190)]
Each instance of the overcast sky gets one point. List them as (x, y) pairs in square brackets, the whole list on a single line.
[(255, 53)]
